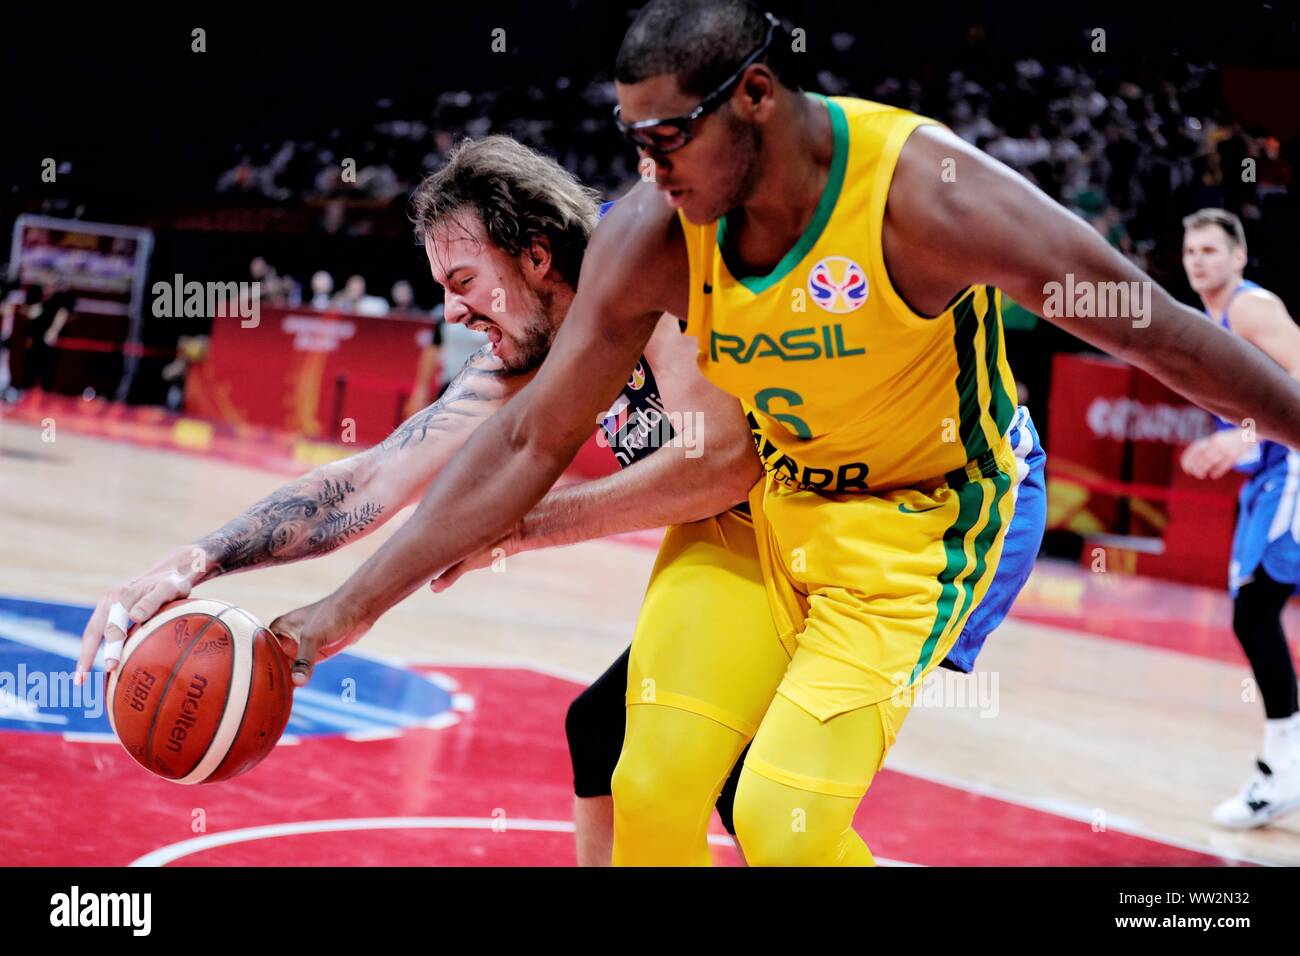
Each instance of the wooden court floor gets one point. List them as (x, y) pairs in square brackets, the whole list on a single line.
[(1132, 735)]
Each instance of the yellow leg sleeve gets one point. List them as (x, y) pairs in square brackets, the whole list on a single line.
[(668, 777), (802, 783)]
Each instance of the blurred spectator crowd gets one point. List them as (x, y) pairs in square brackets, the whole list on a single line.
[(353, 298), (1130, 143), (1130, 152)]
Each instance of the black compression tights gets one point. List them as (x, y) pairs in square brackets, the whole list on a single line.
[(1257, 622)]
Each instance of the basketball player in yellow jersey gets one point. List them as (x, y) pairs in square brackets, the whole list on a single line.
[(841, 264)]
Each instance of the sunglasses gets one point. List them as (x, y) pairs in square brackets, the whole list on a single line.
[(669, 135)]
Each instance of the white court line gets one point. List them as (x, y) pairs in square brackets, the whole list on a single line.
[(19, 710), (168, 854), (44, 636), (1043, 805), (381, 733), (443, 681), (333, 702), (326, 707), (1067, 810), (88, 737), (332, 719), (479, 663), (45, 639)]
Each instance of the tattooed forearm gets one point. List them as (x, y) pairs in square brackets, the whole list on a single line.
[(324, 510), (333, 492), (300, 520), (339, 526), (440, 416), (468, 397)]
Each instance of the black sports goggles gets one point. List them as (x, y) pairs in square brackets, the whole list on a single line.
[(669, 135)]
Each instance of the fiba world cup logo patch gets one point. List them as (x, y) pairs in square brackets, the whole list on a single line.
[(838, 284), (637, 379)]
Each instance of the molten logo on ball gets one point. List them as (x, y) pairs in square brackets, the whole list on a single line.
[(189, 713)]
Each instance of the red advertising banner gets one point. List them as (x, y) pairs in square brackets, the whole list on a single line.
[(310, 374), (322, 375), (1114, 478)]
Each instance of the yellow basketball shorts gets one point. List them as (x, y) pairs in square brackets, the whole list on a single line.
[(704, 640), (868, 592)]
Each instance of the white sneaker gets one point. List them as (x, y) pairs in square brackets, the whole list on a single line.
[(1267, 795)]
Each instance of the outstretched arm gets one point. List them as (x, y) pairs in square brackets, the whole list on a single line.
[(346, 500), (329, 507), (991, 226), (667, 488)]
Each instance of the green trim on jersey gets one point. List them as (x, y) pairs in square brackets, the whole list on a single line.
[(970, 498), (971, 503), (965, 326), (1004, 409), (821, 216)]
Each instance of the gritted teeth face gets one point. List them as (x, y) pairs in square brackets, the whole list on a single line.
[(478, 281), (492, 330), (485, 290)]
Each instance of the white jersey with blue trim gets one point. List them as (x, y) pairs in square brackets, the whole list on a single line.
[(1267, 454)]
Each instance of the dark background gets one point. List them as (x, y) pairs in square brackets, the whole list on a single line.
[(147, 128)]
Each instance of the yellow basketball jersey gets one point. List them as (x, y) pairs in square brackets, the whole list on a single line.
[(846, 388)]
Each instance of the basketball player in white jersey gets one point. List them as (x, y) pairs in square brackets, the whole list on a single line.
[(1265, 567)]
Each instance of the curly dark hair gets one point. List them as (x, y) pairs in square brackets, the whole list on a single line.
[(517, 194)]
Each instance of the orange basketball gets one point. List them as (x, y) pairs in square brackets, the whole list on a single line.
[(202, 694)]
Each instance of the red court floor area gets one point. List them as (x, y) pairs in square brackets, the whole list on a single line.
[(490, 786)]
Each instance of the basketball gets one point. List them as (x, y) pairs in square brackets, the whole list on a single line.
[(202, 694)]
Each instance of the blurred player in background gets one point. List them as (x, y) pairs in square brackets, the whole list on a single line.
[(48, 311), (1265, 567)]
